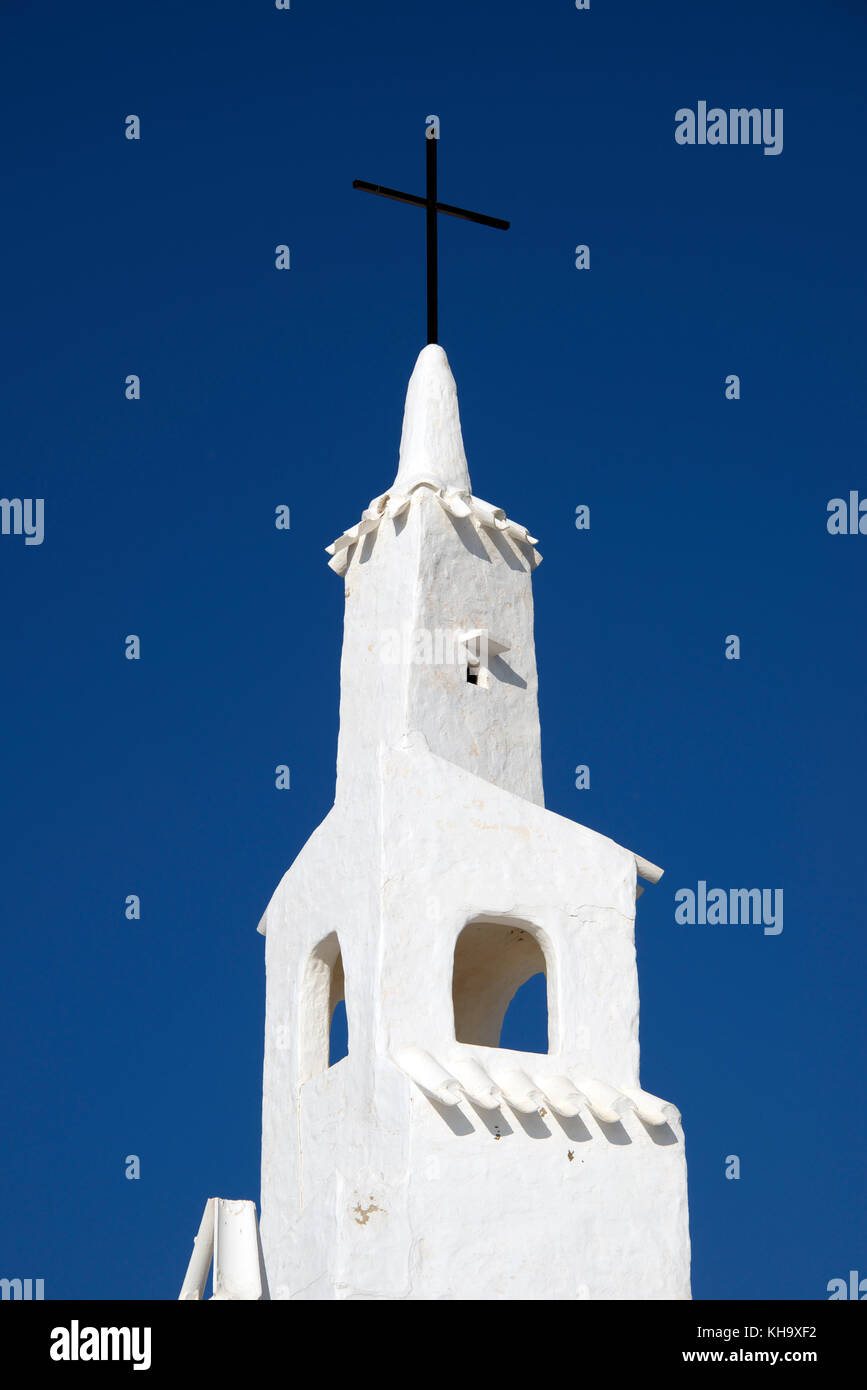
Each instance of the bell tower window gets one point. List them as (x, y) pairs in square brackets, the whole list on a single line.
[(498, 964), (324, 1037)]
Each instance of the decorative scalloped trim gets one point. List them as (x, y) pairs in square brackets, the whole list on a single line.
[(458, 503)]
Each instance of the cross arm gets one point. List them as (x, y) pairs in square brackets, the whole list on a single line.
[(399, 197)]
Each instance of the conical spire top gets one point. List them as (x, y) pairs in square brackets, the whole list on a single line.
[(431, 452), (431, 444)]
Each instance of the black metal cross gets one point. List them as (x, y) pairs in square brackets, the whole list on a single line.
[(432, 207)]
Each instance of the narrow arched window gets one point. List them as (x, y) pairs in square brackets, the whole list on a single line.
[(497, 970), (324, 1026)]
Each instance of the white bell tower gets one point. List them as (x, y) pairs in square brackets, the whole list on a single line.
[(430, 1163)]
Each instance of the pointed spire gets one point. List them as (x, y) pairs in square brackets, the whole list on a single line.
[(431, 445), (432, 452)]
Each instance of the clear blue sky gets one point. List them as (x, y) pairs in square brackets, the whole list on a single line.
[(260, 387)]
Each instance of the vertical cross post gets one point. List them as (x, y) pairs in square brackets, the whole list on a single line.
[(431, 202), (432, 208)]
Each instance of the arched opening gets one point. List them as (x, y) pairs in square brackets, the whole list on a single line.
[(324, 1030), (496, 965)]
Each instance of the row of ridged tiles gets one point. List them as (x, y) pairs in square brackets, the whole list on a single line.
[(466, 1079)]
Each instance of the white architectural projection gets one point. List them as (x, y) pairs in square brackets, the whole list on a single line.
[(430, 1163), (228, 1236)]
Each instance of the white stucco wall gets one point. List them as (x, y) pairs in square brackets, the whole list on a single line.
[(464, 1203)]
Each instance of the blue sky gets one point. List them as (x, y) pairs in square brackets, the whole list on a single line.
[(259, 387)]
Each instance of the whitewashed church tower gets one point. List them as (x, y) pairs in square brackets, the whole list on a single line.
[(430, 1163)]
